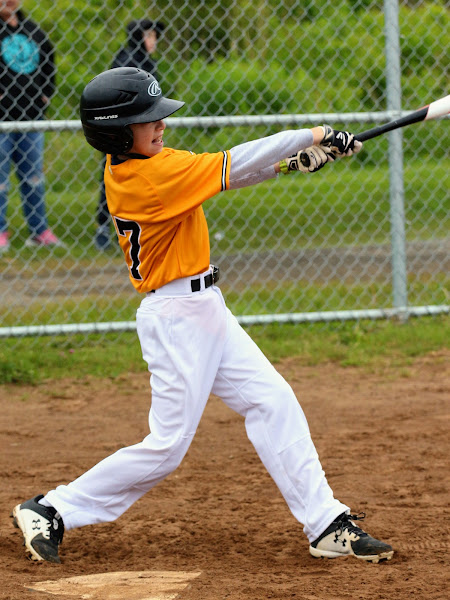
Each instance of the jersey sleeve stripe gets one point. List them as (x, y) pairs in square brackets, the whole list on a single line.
[(224, 171)]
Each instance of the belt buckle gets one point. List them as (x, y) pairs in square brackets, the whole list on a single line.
[(215, 273)]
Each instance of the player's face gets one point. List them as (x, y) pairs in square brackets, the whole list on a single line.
[(147, 137)]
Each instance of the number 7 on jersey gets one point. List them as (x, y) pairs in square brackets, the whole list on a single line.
[(134, 228)]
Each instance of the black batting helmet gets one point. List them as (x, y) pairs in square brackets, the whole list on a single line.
[(117, 98)]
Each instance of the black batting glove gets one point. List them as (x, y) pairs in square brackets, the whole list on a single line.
[(341, 143)]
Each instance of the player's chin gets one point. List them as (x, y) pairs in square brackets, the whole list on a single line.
[(153, 149), (157, 146)]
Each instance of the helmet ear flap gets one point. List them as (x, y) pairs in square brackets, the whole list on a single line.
[(109, 141), (126, 139)]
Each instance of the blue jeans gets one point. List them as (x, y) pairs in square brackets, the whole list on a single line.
[(26, 150)]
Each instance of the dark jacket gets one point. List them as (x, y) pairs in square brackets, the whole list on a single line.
[(134, 53), (27, 70)]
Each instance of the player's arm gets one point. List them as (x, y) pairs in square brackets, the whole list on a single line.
[(260, 154), (253, 162), (262, 159)]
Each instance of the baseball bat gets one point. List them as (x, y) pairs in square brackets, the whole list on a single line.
[(438, 108)]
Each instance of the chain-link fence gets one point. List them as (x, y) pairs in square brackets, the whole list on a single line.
[(365, 237)]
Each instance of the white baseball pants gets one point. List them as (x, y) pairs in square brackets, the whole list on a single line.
[(194, 346)]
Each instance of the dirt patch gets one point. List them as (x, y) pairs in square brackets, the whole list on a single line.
[(383, 441)]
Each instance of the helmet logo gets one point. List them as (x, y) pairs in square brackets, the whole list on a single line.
[(154, 89)]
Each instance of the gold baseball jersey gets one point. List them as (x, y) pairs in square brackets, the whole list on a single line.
[(156, 207)]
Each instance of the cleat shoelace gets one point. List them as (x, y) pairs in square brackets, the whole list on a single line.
[(346, 523), (55, 529)]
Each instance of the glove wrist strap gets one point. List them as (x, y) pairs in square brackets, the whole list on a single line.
[(328, 135), (284, 167)]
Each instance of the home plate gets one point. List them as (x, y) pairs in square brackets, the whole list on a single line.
[(132, 585)]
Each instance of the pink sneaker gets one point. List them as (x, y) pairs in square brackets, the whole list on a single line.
[(46, 238), (4, 242)]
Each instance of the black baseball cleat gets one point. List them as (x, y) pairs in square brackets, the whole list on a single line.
[(42, 529), (343, 537)]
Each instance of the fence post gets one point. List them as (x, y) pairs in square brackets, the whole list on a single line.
[(393, 88)]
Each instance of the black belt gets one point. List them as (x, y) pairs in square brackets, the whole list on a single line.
[(209, 280)]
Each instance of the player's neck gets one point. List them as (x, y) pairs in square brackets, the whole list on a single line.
[(132, 155)]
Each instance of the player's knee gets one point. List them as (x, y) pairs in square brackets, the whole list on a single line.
[(282, 392), (171, 448), (280, 400)]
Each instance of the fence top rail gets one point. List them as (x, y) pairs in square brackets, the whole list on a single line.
[(402, 313), (221, 121)]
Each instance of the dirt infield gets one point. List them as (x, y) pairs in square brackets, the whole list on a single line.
[(383, 441)]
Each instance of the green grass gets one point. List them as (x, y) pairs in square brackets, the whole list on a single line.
[(363, 344), (367, 344), (269, 298), (304, 296)]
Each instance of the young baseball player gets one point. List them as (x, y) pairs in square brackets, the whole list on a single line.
[(192, 343)]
